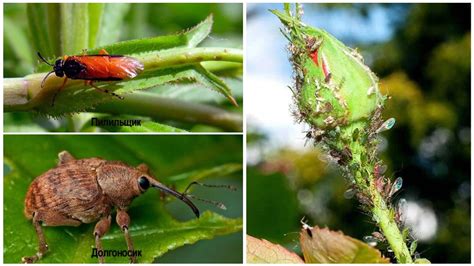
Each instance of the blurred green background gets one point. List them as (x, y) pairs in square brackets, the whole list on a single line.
[(139, 21), (421, 52), (167, 156)]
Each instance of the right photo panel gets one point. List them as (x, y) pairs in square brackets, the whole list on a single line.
[(358, 133)]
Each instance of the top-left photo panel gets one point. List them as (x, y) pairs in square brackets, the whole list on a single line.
[(118, 67)]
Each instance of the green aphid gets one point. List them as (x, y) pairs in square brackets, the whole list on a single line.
[(413, 247)]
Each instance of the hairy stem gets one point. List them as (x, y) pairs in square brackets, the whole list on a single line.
[(151, 105), (26, 94), (389, 227), (365, 180), (189, 56), (17, 99)]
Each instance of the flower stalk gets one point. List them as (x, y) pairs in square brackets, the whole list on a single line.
[(338, 97)]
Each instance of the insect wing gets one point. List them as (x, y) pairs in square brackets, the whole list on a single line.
[(108, 67), (125, 67)]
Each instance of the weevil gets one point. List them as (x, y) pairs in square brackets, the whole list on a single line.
[(87, 190)]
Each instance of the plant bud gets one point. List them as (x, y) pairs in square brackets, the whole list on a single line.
[(333, 87)]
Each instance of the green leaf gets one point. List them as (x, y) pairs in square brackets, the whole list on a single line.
[(74, 28), (17, 40), (214, 82), (77, 97), (111, 23), (326, 246), (182, 180), (36, 14), (271, 194), (189, 38), (96, 10), (54, 28), (262, 251), (149, 126), (153, 229)]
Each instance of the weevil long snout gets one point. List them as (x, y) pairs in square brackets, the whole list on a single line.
[(178, 195)]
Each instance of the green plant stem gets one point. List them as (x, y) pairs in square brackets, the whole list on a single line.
[(23, 94), (189, 56), (151, 105), (389, 227), (16, 99), (382, 214)]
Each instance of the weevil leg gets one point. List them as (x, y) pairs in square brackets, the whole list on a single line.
[(101, 228), (123, 220), (91, 83), (57, 92), (42, 246)]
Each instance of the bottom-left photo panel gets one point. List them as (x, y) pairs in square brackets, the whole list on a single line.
[(120, 199)]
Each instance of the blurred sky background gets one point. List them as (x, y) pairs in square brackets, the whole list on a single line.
[(421, 52)]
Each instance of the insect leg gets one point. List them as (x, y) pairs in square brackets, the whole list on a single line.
[(91, 83), (103, 51), (42, 247), (100, 229), (57, 92), (123, 220)]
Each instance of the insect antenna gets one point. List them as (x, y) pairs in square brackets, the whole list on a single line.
[(44, 60), (230, 187), (47, 75), (218, 204)]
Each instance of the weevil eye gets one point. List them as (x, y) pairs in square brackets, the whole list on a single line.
[(143, 183)]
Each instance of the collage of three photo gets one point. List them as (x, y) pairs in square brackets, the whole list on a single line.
[(240, 133)]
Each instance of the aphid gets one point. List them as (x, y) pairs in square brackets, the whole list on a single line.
[(401, 210), (329, 120), (347, 154), (380, 184), (370, 90), (349, 193), (387, 188), (87, 190), (413, 247), (364, 199), (355, 134), (378, 236), (370, 240), (396, 186), (91, 68), (386, 125), (306, 227), (380, 169), (313, 44)]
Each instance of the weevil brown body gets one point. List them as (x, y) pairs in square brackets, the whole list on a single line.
[(81, 191)]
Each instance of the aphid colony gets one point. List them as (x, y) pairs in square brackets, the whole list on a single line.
[(354, 148)]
